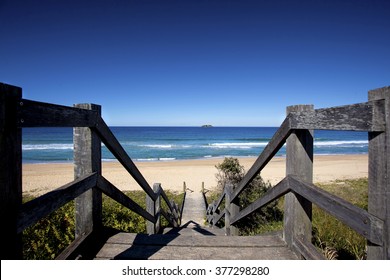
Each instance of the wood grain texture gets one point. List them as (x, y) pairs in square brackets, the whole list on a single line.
[(87, 160), (358, 219), (299, 162), (379, 172), (39, 114), (172, 247), (356, 117)]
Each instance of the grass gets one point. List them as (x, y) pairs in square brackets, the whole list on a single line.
[(51, 235), (329, 234), (334, 239)]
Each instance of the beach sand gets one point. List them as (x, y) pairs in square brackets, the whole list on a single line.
[(41, 178)]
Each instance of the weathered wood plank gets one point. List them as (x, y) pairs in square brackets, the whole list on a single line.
[(117, 150), (268, 153), (231, 209), (306, 249), (299, 161), (110, 190), (218, 216), (87, 159), (122, 252), (219, 201), (75, 245), (157, 207), (150, 208), (183, 240), (34, 210), (191, 229), (162, 193), (169, 217), (136, 246), (175, 212), (39, 114), (356, 117), (379, 173), (358, 219), (10, 170), (182, 204)]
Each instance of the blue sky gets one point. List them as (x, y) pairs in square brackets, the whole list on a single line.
[(184, 63)]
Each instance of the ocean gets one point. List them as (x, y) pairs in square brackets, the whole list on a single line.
[(45, 145)]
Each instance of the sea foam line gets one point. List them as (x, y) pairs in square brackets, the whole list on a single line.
[(341, 143), (28, 147), (237, 145)]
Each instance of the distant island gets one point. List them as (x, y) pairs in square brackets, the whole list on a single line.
[(207, 125)]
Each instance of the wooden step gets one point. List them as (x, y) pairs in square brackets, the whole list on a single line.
[(195, 230), (194, 247)]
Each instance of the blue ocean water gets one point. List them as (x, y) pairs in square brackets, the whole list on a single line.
[(179, 143)]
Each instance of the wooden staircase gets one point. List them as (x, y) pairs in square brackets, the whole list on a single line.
[(193, 242)]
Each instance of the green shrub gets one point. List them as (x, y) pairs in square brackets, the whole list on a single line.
[(50, 235), (231, 171)]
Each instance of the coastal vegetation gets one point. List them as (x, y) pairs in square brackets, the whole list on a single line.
[(51, 235), (231, 171), (334, 239)]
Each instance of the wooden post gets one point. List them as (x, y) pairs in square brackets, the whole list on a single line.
[(379, 174), (299, 162), (10, 170), (154, 208), (232, 208), (87, 159)]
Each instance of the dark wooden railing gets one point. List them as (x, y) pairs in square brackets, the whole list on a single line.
[(298, 188), (90, 131)]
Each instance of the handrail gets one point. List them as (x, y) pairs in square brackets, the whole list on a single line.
[(369, 116), (108, 138), (30, 113), (113, 192), (213, 210), (358, 219), (356, 117), (268, 153), (40, 114), (40, 207)]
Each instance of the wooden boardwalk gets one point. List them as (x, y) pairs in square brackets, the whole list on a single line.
[(194, 241), (190, 239), (195, 246)]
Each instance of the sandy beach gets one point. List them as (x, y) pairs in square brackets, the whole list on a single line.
[(41, 178)]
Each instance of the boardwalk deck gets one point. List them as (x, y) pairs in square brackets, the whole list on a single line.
[(194, 208), (193, 241), (125, 246)]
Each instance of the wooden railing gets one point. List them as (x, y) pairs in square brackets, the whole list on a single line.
[(298, 188), (90, 131)]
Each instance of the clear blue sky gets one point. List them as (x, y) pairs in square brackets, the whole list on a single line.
[(223, 62)]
